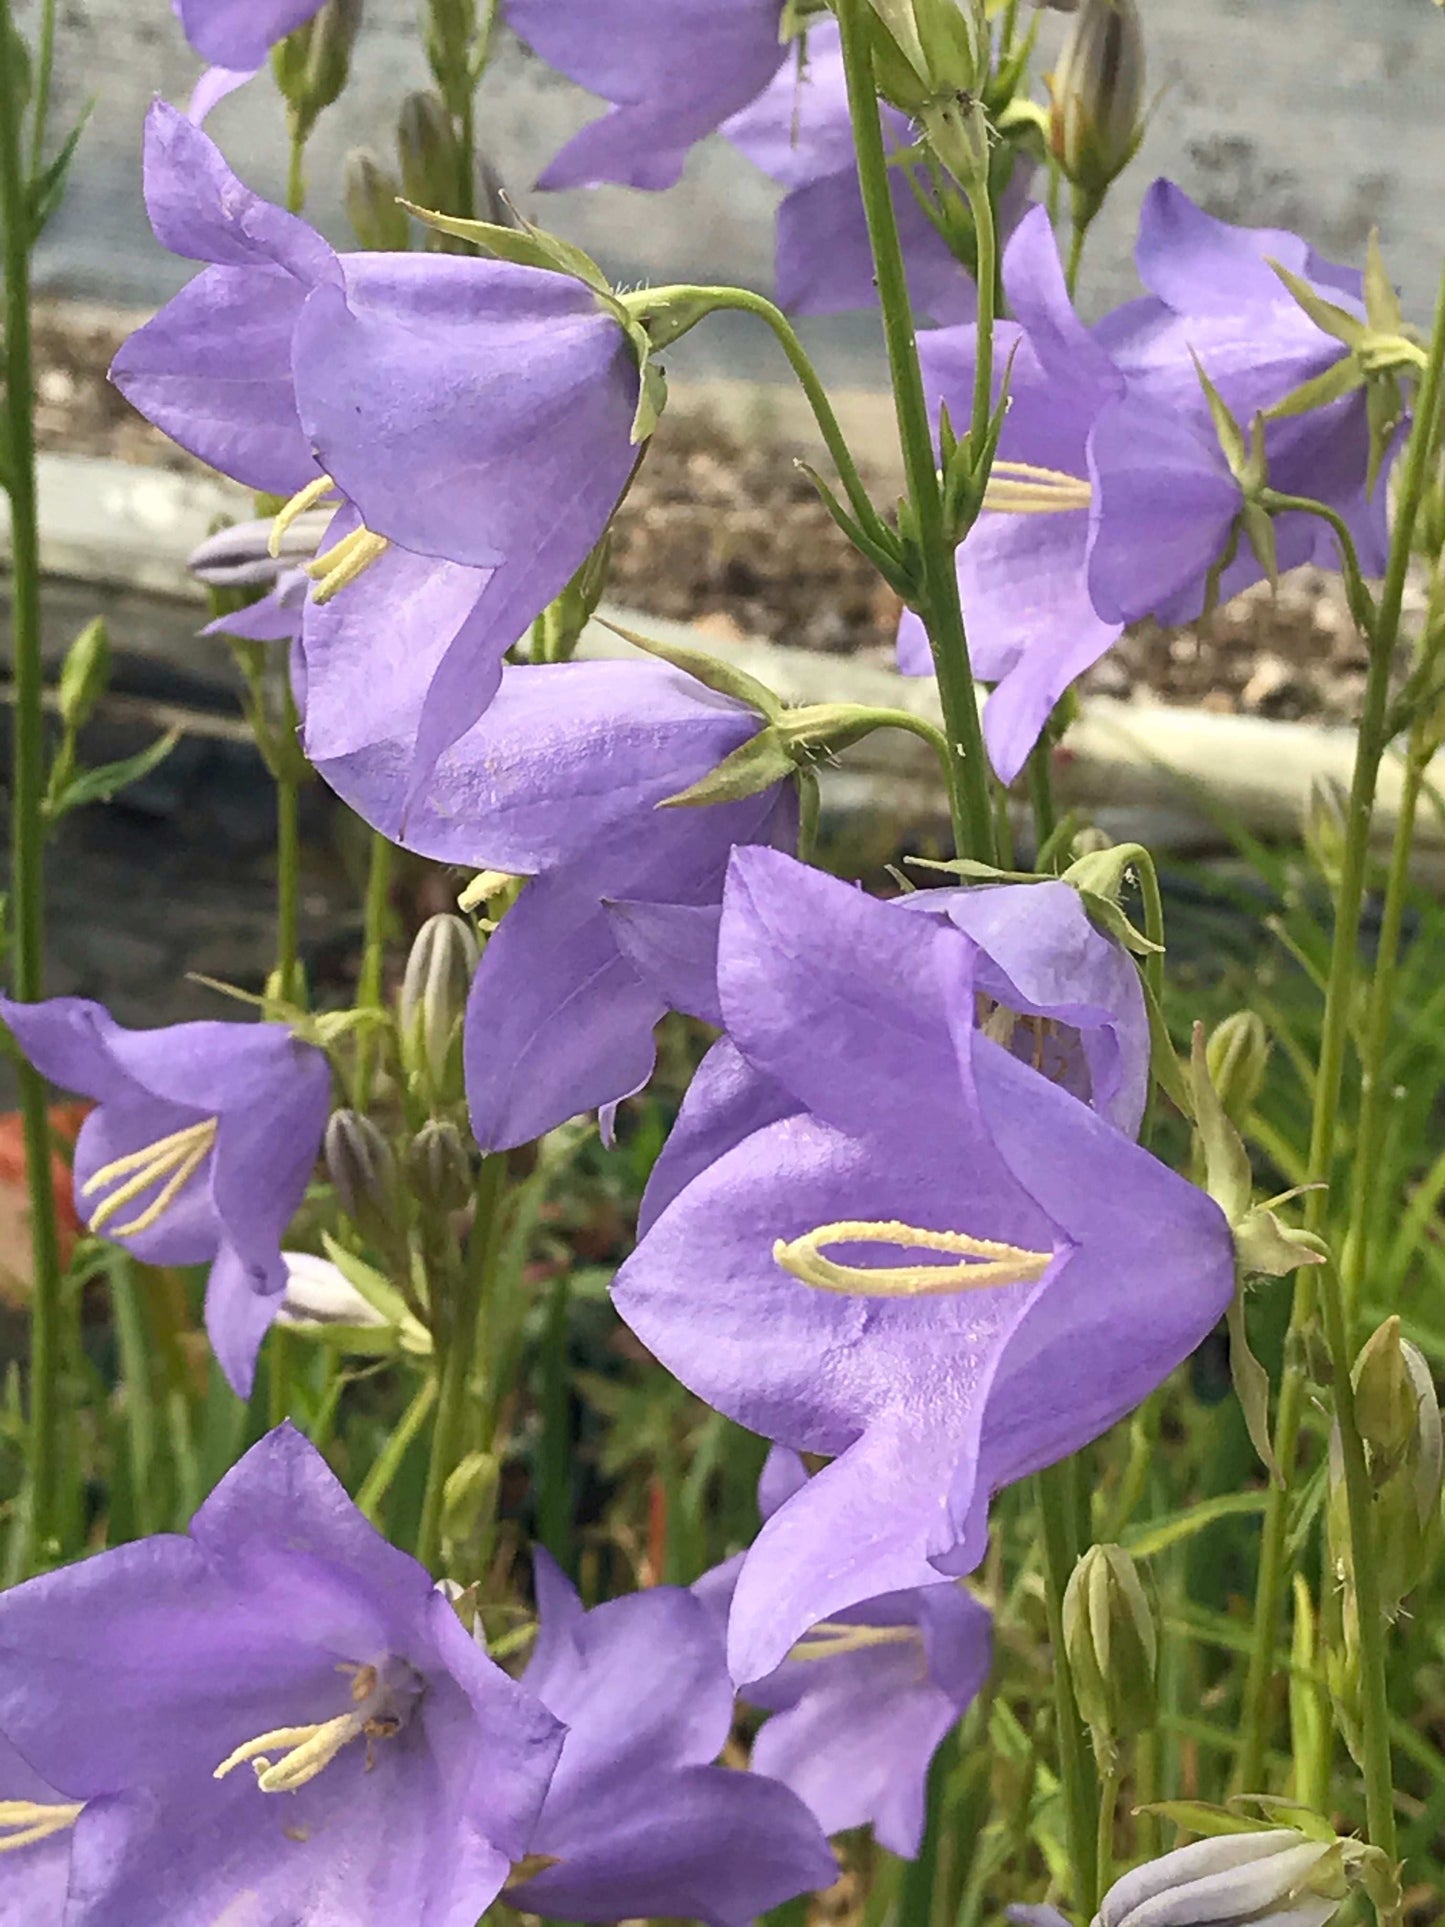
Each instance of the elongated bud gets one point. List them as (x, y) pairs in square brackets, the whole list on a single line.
[(1236, 1054), (363, 1173), (1097, 117), (426, 147), (1326, 823), (373, 206), (313, 65), (1278, 1873), (1399, 1422), (929, 50), (1112, 1647), (319, 1293), (84, 674), (438, 1170), (434, 1002)]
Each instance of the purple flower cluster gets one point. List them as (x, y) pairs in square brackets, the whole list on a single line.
[(1112, 499)]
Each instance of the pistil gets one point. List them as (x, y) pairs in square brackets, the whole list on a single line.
[(985, 1263), (382, 1701)]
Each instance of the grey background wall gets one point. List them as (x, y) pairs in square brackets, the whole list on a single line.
[(1321, 114)]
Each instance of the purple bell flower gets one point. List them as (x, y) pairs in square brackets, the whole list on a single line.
[(36, 1824), (865, 1698), (199, 1149), (475, 418), (561, 781), (672, 78), (887, 1239), (238, 34), (799, 133), (274, 1718), (639, 1820), (1023, 567), (1164, 501)]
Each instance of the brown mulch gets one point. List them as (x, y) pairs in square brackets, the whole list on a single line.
[(732, 534)]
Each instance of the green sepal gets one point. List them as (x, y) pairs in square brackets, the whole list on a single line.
[(975, 872), (1164, 1065), (711, 671), (382, 1296), (1329, 319), (529, 246), (1251, 1387), (1199, 1816), (1106, 915), (1276, 1812), (1319, 391), (1382, 302), (1227, 430), (1264, 1243), (1228, 1178), (753, 767), (651, 400)]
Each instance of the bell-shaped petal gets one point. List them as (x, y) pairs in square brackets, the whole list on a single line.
[(240, 33)]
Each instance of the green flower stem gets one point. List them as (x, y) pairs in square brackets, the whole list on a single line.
[(1339, 1003), (44, 69), (1104, 1842), (371, 982), (141, 1428), (942, 614), (372, 1492), (455, 1334), (296, 171), (288, 888), (986, 230), (1056, 1506), (40, 1528)]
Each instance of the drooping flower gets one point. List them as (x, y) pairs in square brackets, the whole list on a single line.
[(274, 1718), (1023, 567), (638, 1819), (238, 34), (798, 131), (562, 782), (887, 1239), (474, 418), (199, 1149), (865, 1698), (36, 1824), (1163, 497), (672, 78)]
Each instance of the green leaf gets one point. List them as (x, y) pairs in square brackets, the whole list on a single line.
[(1158, 1535), (1197, 1816), (724, 677), (100, 785), (47, 190)]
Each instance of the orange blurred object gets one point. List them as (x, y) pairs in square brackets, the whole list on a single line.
[(16, 1261)]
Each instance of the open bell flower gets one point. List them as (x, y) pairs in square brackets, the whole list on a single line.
[(271, 1719), (638, 1821), (472, 418), (198, 1151), (865, 1698), (1023, 567), (562, 782), (673, 77), (889, 1240)]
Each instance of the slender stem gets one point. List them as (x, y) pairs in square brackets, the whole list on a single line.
[(371, 981), (44, 69), (139, 1391), (1041, 790), (973, 814), (296, 171), (554, 1455), (288, 887), (986, 229), (920, 1877), (1104, 1839), (455, 1337), (1339, 1001), (378, 1481), (1054, 1489), (27, 878)]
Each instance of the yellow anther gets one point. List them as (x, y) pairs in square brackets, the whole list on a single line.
[(176, 1158), (25, 1823), (304, 499), (831, 1639), (309, 1751), (986, 1264), (342, 564)]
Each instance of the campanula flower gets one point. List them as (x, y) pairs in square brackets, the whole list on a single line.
[(198, 1151), (562, 781), (889, 1240), (472, 418), (238, 34), (273, 1718), (672, 77), (638, 1819), (864, 1699)]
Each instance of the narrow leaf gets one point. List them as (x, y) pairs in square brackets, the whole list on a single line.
[(100, 785)]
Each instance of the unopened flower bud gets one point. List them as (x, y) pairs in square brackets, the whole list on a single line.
[(1112, 1646), (313, 65), (929, 50), (1277, 1873), (1237, 1053), (426, 147), (371, 192), (363, 1173), (1096, 120), (1399, 1422), (434, 1002), (438, 1170), (319, 1293), (84, 674), (240, 557)]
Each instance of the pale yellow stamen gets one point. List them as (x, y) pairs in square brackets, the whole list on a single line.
[(25, 1823), (304, 499), (343, 564), (177, 1158), (1019, 488), (309, 1750), (831, 1639), (986, 1263)]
